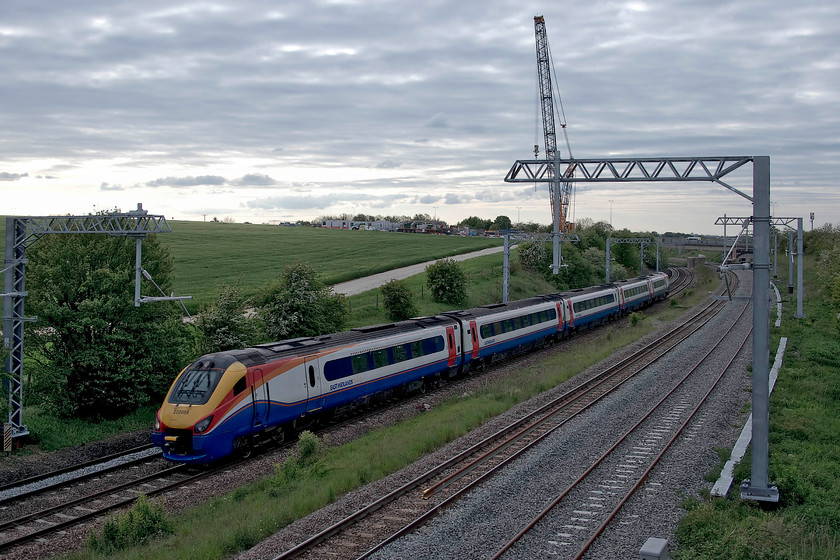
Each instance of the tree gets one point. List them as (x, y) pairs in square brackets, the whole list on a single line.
[(399, 302), (447, 281), (501, 222), (300, 304), (534, 256), (225, 324), (474, 222), (99, 356)]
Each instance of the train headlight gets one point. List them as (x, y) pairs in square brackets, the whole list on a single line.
[(157, 423), (201, 426)]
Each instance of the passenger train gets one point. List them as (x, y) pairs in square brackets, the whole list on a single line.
[(226, 402)]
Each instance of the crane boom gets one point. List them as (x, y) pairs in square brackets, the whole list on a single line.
[(547, 104)]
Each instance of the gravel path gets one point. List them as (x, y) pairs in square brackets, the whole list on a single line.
[(360, 285)]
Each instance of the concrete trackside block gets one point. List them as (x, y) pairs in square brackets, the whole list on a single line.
[(654, 549)]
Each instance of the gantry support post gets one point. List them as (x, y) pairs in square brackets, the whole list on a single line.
[(800, 263), (757, 487), (790, 261), (14, 292)]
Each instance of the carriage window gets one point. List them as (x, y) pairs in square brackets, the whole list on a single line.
[(416, 349), (400, 354), (359, 363), (311, 376), (380, 358)]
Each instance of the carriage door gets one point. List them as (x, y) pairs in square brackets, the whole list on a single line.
[(259, 398), (453, 349), (312, 379), (474, 335)]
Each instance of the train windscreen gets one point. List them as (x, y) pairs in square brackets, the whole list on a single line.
[(198, 382)]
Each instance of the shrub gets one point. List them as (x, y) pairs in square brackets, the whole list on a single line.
[(143, 522), (398, 301), (534, 256), (300, 304), (224, 324), (447, 281)]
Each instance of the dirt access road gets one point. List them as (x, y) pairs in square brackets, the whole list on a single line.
[(354, 287)]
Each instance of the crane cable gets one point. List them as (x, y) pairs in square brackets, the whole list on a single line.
[(558, 101)]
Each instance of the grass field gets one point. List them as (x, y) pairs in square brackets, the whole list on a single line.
[(208, 255)]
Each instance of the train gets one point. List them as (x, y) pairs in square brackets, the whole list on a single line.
[(227, 402)]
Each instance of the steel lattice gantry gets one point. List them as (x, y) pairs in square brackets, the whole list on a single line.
[(23, 231), (641, 241), (744, 222), (713, 169)]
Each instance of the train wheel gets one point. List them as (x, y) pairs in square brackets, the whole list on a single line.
[(242, 448)]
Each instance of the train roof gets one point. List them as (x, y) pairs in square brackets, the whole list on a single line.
[(262, 353), (498, 307)]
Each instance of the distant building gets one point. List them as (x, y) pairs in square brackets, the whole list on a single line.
[(374, 225)]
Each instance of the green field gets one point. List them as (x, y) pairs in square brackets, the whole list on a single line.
[(208, 255)]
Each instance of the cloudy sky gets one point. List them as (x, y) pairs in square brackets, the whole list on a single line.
[(280, 110)]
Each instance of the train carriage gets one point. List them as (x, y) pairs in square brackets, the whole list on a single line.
[(224, 402), (661, 286), (492, 331), (635, 293), (589, 307), (221, 401)]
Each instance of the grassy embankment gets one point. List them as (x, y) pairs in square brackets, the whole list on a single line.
[(240, 519), (804, 454)]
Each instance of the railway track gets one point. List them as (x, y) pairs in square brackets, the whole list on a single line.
[(636, 452), (402, 510)]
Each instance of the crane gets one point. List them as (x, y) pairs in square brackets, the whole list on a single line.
[(547, 104)]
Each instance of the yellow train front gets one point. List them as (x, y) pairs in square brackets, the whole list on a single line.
[(214, 407)]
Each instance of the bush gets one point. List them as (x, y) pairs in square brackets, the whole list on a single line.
[(224, 324), (143, 522), (300, 304), (398, 301), (534, 256), (447, 281)]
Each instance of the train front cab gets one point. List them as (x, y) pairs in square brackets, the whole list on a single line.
[(217, 403)]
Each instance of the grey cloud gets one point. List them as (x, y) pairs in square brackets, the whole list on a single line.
[(107, 187), (437, 121), (5, 176), (187, 181), (254, 179), (184, 85)]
